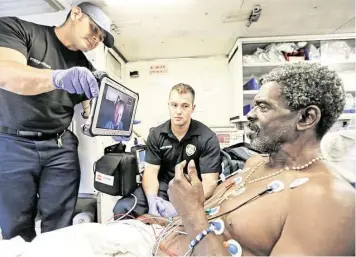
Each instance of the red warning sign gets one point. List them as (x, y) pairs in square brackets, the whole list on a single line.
[(158, 69)]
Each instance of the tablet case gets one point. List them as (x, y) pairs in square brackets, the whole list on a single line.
[(87, 128)]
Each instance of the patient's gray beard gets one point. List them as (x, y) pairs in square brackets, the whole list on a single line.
[(269, 144), (266, 144)]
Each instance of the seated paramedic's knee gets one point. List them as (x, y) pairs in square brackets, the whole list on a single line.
[(124, 207), (180, 138), (133, 205)]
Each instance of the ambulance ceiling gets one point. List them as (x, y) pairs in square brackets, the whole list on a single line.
[(151, 29), (28, 7)]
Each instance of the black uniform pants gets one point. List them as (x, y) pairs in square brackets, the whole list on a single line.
[(125, 204), (37, 173)]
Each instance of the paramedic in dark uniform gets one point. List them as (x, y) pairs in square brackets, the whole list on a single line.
[(43, 75), (180, 138)]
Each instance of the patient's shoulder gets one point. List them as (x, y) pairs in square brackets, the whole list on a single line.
[(325, 191), (320, 218)]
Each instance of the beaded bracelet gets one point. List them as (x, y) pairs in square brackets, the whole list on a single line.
[(200, 236)]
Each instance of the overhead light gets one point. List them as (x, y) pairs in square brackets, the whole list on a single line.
[(237, 17)]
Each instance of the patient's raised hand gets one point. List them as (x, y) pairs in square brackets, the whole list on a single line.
[(186, 191)]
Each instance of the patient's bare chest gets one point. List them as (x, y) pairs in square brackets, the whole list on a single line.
[(255, 222)]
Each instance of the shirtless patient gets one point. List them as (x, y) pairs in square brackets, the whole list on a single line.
[(314, 215), (307, 210)]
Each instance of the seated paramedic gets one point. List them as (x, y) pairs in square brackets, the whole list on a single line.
[(116, 122), (307, 211), (180, 138)]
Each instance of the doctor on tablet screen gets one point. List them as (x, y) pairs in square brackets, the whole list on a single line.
[(116, 122)]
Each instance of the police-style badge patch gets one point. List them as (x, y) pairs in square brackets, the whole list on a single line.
[(190, 149)]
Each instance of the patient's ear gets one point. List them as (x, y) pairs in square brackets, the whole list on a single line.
[(309, 117)]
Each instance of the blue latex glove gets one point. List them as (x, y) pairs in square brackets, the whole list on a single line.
[(76, 80), (166, 208), (152, 204), (123, 138)]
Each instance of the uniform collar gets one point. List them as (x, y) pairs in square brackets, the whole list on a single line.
[(192, 131)]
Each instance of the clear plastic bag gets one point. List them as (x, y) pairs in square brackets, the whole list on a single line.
[(335, 51), (272, 53)]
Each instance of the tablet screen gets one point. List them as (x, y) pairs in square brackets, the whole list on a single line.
[(116, 110)]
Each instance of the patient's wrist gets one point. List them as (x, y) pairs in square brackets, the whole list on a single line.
[(195, 222)]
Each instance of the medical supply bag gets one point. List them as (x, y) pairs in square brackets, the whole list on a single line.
[(115, 174)]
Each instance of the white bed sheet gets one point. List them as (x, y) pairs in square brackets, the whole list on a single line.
[(127, 238)]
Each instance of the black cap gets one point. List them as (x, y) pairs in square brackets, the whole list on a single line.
[(101, 19)]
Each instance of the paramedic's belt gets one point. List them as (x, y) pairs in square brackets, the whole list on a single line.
[(26, 133)]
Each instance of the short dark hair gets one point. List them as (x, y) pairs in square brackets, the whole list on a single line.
[(305, 84), (182, 88)]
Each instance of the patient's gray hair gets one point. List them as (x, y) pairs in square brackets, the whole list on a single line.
[(311, 84)]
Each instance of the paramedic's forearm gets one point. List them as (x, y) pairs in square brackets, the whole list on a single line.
[(208, 190), (24, 80), (209, 184), (150, 182)]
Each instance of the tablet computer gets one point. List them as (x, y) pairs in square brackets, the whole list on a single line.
[(113, 112)]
